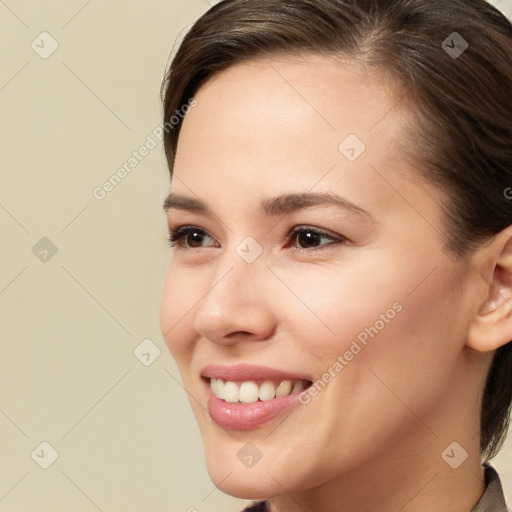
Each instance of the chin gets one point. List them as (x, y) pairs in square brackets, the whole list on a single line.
[(246, 485), (232, 477)]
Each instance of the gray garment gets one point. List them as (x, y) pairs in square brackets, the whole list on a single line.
[(492, 500)]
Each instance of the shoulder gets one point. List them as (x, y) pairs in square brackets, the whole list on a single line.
[(493, 499)]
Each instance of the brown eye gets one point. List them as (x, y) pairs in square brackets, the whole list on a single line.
[(188, 236), (194, 238), (311, 239), (308, 239)]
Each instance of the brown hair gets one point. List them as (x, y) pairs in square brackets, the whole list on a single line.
[(461, 99)]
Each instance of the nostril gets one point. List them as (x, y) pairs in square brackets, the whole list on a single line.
[(238, 333)]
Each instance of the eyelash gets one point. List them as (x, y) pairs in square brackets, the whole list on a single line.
[(181, 232)]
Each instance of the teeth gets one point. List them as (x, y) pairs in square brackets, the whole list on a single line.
[(283, 389), (217, 387), (230, 392), (248, 392), (298, 387), (267, 391)]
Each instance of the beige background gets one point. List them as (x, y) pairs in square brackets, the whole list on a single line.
[(125, 436)]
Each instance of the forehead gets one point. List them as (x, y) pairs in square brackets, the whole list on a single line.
[(273, 104), (290, 124), (338, 93)]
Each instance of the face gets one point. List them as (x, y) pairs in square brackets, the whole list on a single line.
[(309, 258)]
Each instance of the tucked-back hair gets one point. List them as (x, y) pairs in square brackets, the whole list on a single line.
[(460, 99)]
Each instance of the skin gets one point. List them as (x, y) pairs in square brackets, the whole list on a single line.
[(373, 438)]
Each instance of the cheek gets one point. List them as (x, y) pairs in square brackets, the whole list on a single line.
[(336, 305), (399, 343), (394, 325), (176, 309), (423, 344), (412, 337)]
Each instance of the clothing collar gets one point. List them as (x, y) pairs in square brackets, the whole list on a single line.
[(492, 499)]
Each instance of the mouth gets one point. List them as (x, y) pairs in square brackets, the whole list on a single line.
[(244, 397), (252, 391)]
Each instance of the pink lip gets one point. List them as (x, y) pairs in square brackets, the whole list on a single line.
[(242, 371), (235, 416)]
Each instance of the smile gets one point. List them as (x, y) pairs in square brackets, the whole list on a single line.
[(249, 392), (245, 397)]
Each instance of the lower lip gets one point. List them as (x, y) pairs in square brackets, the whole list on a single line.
[(237, 416)]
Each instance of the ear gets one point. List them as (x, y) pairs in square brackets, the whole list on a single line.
[(491, 327)]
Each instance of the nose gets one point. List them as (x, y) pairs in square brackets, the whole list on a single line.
[(237, 306)]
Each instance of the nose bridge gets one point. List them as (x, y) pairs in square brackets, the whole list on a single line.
[(238, 283), (242, 269)]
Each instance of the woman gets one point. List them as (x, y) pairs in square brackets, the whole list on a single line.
[(339, 293)]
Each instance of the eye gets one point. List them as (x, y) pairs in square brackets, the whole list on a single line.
[(190, 236), (310, 239), (307, 238)]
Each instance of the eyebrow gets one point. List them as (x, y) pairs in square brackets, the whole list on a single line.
[(280, 205)]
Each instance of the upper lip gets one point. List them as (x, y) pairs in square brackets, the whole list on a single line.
[(243, 372)]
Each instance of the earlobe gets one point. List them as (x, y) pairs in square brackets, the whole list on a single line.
[(491, 327)]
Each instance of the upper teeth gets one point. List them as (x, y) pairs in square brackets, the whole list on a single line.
[(249, 392)]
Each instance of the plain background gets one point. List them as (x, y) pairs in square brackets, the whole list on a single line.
[(124, 432)]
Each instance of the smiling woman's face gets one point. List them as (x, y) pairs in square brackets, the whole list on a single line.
[(373, 292)]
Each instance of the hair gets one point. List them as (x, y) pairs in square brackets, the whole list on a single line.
[(461, 105)]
